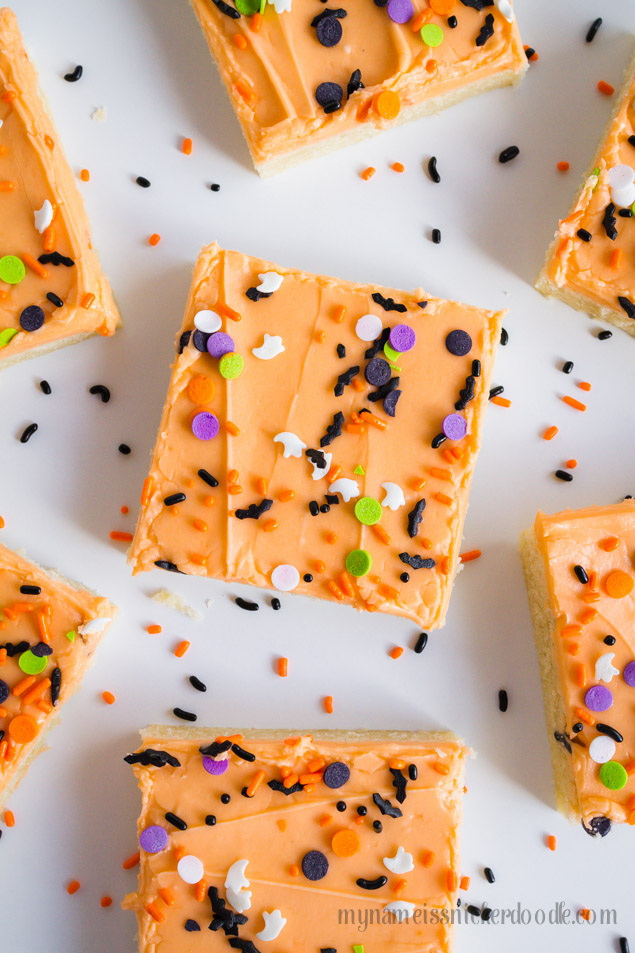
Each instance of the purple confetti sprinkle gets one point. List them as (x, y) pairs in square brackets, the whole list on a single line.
[(458, 343), (454, 426), (153, 839), (598, 698), (215, 767), (336, 774), (220, 344), (400, 11), (629, 674), (205, 426), (402, 338)]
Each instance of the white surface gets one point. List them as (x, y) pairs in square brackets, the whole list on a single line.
[(145, 61)]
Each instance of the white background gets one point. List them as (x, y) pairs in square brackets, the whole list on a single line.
[(146, 62)]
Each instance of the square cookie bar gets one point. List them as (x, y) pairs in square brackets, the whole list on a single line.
[(318, 436), (317, 842), (52, 289), (49, 629), (590, 264), (580, 571), (304, 78)]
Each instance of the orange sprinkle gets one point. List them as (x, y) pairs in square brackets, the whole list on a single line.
[(87, 300), (73, 887), (226, 312), (200, 891), (84, 175), (610, 544), (200, 525), (316, 765), (571, 630), (328, 704), (418, 484), (397, 652), (232, 428), (594, 581), (388, 592), (30, 698), (244, 90), (452, 881), (501, 401), (187, 147), (584, 385), (426, 543), (320, 336), (469, 557), (106, 902), (464, 883), (131, 861), (591, 597), (333, 473), (442, 498), (283, 667), (269, 525), (420, 19), (445, 565), (23, 685), (335, 590), (398, 167), (381, 534), (124, 510), (167, 896), (48, 240), (563, 167), (262, 486), (290, 780), (294, 870), (256, 22), (282, 825), (605, 88), (6, 186), (585, 914), (181, 648), (339, 313), (179, 852), (286, 496), (108, 697), (319, 565), (120, 537), (441, 768), (325, 820), (551, 842), (3, 657), (345, 584), (615, 260), (331, 538), (584, 716), (588, 616), (240, 41), (209, 501), (534, 55), (153, 629), (368, 173), (146, 491), (375, 421), (154, 239), (428, 858), (619, 584), (572, 402), (42, 625), (441, 474), (34, 265), (572, 464), (431, 65), (573, 648), (581, 675), (232, 476), (155, 913), (9, 818)]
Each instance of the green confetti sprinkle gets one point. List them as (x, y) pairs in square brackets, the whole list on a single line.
[(368, 510), (12, 269), (248, 7), (613, 775), (231, 366), (32, 664), (7, 335), (71, 635), (432, 34), (359, 470), (390, 353), (358, 948), (358, 562)]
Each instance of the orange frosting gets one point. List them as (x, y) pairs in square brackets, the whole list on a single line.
[(33, 171), (602, 541), (293, 392), (272, 76), (273, 832), (62, 618), (602, 269)]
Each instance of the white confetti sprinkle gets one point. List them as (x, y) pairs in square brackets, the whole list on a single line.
[(270, 281), (621, 179), (292, 444), (368, 327), (207, 321), (346, 488), (604, 668), (43, 216), (394, 496), (401, 863), (602, 749), (285, 577), (271, 346), (274, 922), (190, 869)]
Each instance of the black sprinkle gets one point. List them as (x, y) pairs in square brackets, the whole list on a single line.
[(593, 29), (476, 368), (341, 350), (624, 947), (504, 337), (192, 926), (362, 811), (453, 22), (54, 258), (489, 875), (176, 821), (227, 10), (45, 387), (503, 700), (314, 508), (627, 306), (254, 511), (529, 52), (333, 430), (378, 826), (404, 576), (477, 4), (417, 562), (246, 604), (197, 684), (354, 83), (276, 604), (124, 449), (508, 154), (254, 295), (605, 335), (307, 576), (167, 565), (55, 299), (421, 643), (382, 392), (414, 518), (28, 432), (496, 391), (577, 727), (100, 390), (609, 221), (625, 213), (473, 910), (600, 825), (609, 640), (215, 187), (631, 140), (388, 304), (56, 685), (15, 648), (567, 367), (386, 807), (376, 884), (580, 572), (210, 820), (153, 757), (611, 732), (436, 236), (487, 31), (422, 304), (184, 340), (143, 182), (432, 169), (207, 478), (399, 783), (241, 753), (332, 499), (412, 772), (438, 440), (344, 380), (564, 476), (174, 498), (30, 590), (486, 914), (76, 74), (583, 235), (215, 748), (276, 785), (184, 715), (466, 393)]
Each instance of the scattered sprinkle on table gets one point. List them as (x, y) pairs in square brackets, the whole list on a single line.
[(154, 239), (605, 88), (593, 29), (503, 700), (508, 154), (76, 74), (143, 182), (100, 390), (108, 697), (28, 432), (551, 842)]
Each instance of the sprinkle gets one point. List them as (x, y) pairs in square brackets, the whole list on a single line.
[(489, 875), (605, 88), (563, 167), (328, 704), (246, 604), (73, 887), (387, 104), (143, 182), (396, 653), (108, 697), (101, 391), (45, 387), (436, 236), (564, 476), (184, 715), (551, 842), (84, 175), (508, 154), (131, 861), (421, 643), (470, 556), (106, 902), (154, 239), (593, 29), (28, 432), (368, 173), (572, 402), (432, 169), (181, 648), (503, 700), (398, 167), (76, 74), (605, 335), (550, 433)]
